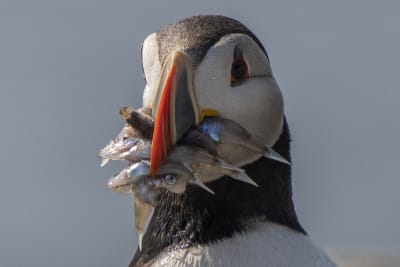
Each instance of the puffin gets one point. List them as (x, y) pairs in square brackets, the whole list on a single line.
[(205, 66)]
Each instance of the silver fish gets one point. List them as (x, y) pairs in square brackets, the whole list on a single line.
[(197, 138), (190, 164), (136, 179), (175, 177), (225, 131), (133, 143), (138, 120), (126, 148), (143, 214), (204, 166)]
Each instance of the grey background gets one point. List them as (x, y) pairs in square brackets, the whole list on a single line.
[(67, 66)]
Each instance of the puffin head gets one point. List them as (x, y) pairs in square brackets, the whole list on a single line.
[(207, 66)]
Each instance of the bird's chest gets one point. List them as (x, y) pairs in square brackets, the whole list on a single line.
[(267, 245)]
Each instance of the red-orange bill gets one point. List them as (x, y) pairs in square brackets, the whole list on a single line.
[(175, 107), (161, 136)]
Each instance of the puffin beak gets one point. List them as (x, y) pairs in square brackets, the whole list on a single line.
[(174, 107)]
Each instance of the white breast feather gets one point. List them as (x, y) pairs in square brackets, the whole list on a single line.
[(266, 245)]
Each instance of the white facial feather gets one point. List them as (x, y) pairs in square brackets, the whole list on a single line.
[(256, 103), (151, 67)]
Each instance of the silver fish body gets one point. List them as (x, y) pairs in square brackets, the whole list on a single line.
[(140, 150), (140, 120), (143, 214), (175, 177), (204, 166), (136, 179), (225, 131), (126, 148), (197, 138)]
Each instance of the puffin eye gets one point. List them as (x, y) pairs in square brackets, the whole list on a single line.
[(239, 70), (170, 179)]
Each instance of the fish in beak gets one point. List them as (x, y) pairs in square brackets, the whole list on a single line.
[(133, 143), (174, 107), (225, 131), (143, 214), (125, 147), (174, 177), (205, 167), (131, 149), (184, 165), (135, 179), (140, 120)]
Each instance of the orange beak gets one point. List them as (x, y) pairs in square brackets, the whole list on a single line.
[(174, 108)]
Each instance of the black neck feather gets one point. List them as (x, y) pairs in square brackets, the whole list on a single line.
[(197, 217)]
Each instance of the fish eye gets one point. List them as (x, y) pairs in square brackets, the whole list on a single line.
[(170, 179)]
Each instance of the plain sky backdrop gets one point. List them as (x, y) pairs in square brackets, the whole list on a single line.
[(67, 66)]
